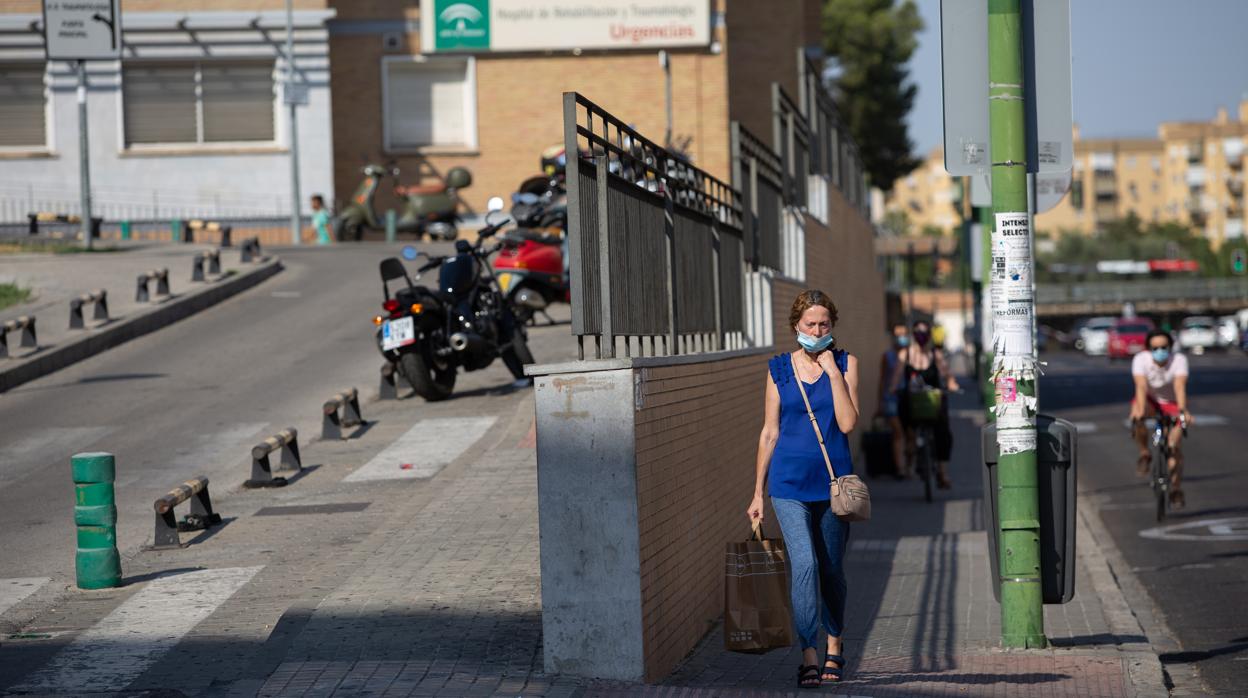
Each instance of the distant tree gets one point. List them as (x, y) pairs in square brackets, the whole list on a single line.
[(869, 43)]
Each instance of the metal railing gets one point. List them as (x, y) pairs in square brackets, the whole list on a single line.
[(756, 171), (655, 244), (791, 134)]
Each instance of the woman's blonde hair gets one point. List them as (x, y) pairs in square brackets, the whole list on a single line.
[(808, 299)]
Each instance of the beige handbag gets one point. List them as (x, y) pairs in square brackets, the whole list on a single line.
[(851, 501)]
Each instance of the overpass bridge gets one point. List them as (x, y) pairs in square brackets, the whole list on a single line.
[(1162, 296)]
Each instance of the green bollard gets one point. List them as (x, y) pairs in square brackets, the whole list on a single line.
[(97, 563), (175, 230), (392, 225), (125, 230)]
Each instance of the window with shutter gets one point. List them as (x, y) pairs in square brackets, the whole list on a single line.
[(198, 102), (238, 101), (159, 103), (22, 106), (429, 103)]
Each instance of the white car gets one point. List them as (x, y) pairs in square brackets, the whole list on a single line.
[(1094, 336), (1197, 334), (1228, 331)]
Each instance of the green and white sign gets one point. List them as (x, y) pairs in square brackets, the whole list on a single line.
[(494, 26), (459, 24)]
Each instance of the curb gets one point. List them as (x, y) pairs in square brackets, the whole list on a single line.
[(121, 332), (1112, 582)]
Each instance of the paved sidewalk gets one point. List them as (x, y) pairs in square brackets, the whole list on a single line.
[(54, 279), (431, 587)]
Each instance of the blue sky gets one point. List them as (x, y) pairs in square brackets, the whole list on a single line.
[(1136, 63)]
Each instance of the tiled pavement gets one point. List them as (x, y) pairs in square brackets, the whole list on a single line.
[(433, 589)]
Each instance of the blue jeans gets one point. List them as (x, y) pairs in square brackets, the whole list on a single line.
[(815, 540)]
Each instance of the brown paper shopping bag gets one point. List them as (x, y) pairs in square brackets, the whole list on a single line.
[(757, 611)]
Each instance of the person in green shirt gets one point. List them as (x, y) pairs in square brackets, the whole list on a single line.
[(320, 220)]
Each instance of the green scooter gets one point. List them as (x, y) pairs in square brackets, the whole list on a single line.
[(430, 209)]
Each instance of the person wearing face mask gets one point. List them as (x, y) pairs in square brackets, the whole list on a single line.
[(922, 362), (790, 468), (889, 396), (1160, 376)]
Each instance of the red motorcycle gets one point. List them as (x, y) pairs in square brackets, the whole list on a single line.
[(532, 271)]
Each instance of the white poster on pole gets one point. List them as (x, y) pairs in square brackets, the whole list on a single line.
[(1011, 284)]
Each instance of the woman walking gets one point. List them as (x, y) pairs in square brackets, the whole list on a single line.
[(791, 468)]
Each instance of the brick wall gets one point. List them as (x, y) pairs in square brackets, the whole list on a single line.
[(696, 439), (762, 44), (520, 108)]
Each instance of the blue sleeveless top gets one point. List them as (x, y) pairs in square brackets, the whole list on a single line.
[(797, 470)]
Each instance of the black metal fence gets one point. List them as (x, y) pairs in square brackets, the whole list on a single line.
[(833, 153), (757, 172), (655, 244), (791, 132)]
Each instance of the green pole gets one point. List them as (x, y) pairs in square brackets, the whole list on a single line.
[(125, 230), (175, 230), (97, 564), (1014, 359), (391, 225), (986, 385)]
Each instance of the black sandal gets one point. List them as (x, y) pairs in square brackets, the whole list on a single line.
[(806, 674), (834, 671)]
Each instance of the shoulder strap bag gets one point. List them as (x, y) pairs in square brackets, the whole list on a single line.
[(851, 501)]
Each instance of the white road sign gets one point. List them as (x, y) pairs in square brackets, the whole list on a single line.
[(78, 30)]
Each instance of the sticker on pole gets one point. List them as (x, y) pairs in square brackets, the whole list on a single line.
[(1012, 441), (82, 30), (1012, 303)]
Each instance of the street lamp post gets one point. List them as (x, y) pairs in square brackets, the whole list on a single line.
[(296, 226)]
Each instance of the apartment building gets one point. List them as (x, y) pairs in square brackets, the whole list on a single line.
[(191, 121), (1192, 173)]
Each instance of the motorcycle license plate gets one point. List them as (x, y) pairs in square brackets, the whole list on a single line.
[(397, 333)]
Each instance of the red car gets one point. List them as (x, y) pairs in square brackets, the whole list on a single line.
[(1128, 337)]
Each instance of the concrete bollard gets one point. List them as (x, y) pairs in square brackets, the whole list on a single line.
[(249, 250), (349, 402), (201, 516), (214, 261), (99, 297), (96, 563), (26, 324), (287, 441), (160, 276), (390, 377)]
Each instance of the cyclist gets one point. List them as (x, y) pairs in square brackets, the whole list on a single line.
[(1160, 376), (922, 362)]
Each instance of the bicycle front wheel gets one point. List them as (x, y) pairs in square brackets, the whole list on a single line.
[(1161, 482)]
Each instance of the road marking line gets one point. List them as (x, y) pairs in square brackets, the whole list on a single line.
[(12, 591), (424, 450), (197, 453), (121, 646)]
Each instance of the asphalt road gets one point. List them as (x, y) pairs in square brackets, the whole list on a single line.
[(1195, 567), (193, 397)]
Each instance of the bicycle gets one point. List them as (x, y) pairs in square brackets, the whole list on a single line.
[(1159, 472), (925, 405)]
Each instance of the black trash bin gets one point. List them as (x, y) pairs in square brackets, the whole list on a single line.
[(1056, 462)]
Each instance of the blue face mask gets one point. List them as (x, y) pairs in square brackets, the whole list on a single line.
[(903, 340), (1160, 354), (814, 344)]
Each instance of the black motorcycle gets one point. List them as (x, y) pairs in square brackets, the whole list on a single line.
[(466, 322)]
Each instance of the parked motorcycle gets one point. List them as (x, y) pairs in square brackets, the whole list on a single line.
[(465, 322), (430, 209), (532, 267)]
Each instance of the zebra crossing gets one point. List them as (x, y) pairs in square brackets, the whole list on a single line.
[(135, 635)]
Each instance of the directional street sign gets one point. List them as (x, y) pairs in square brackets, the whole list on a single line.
[(82, 30), (1046, 78)]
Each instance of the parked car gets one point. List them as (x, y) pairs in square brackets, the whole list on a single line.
[(1198, 333), (1228, 331), (1128, 337), (1094, 336)]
